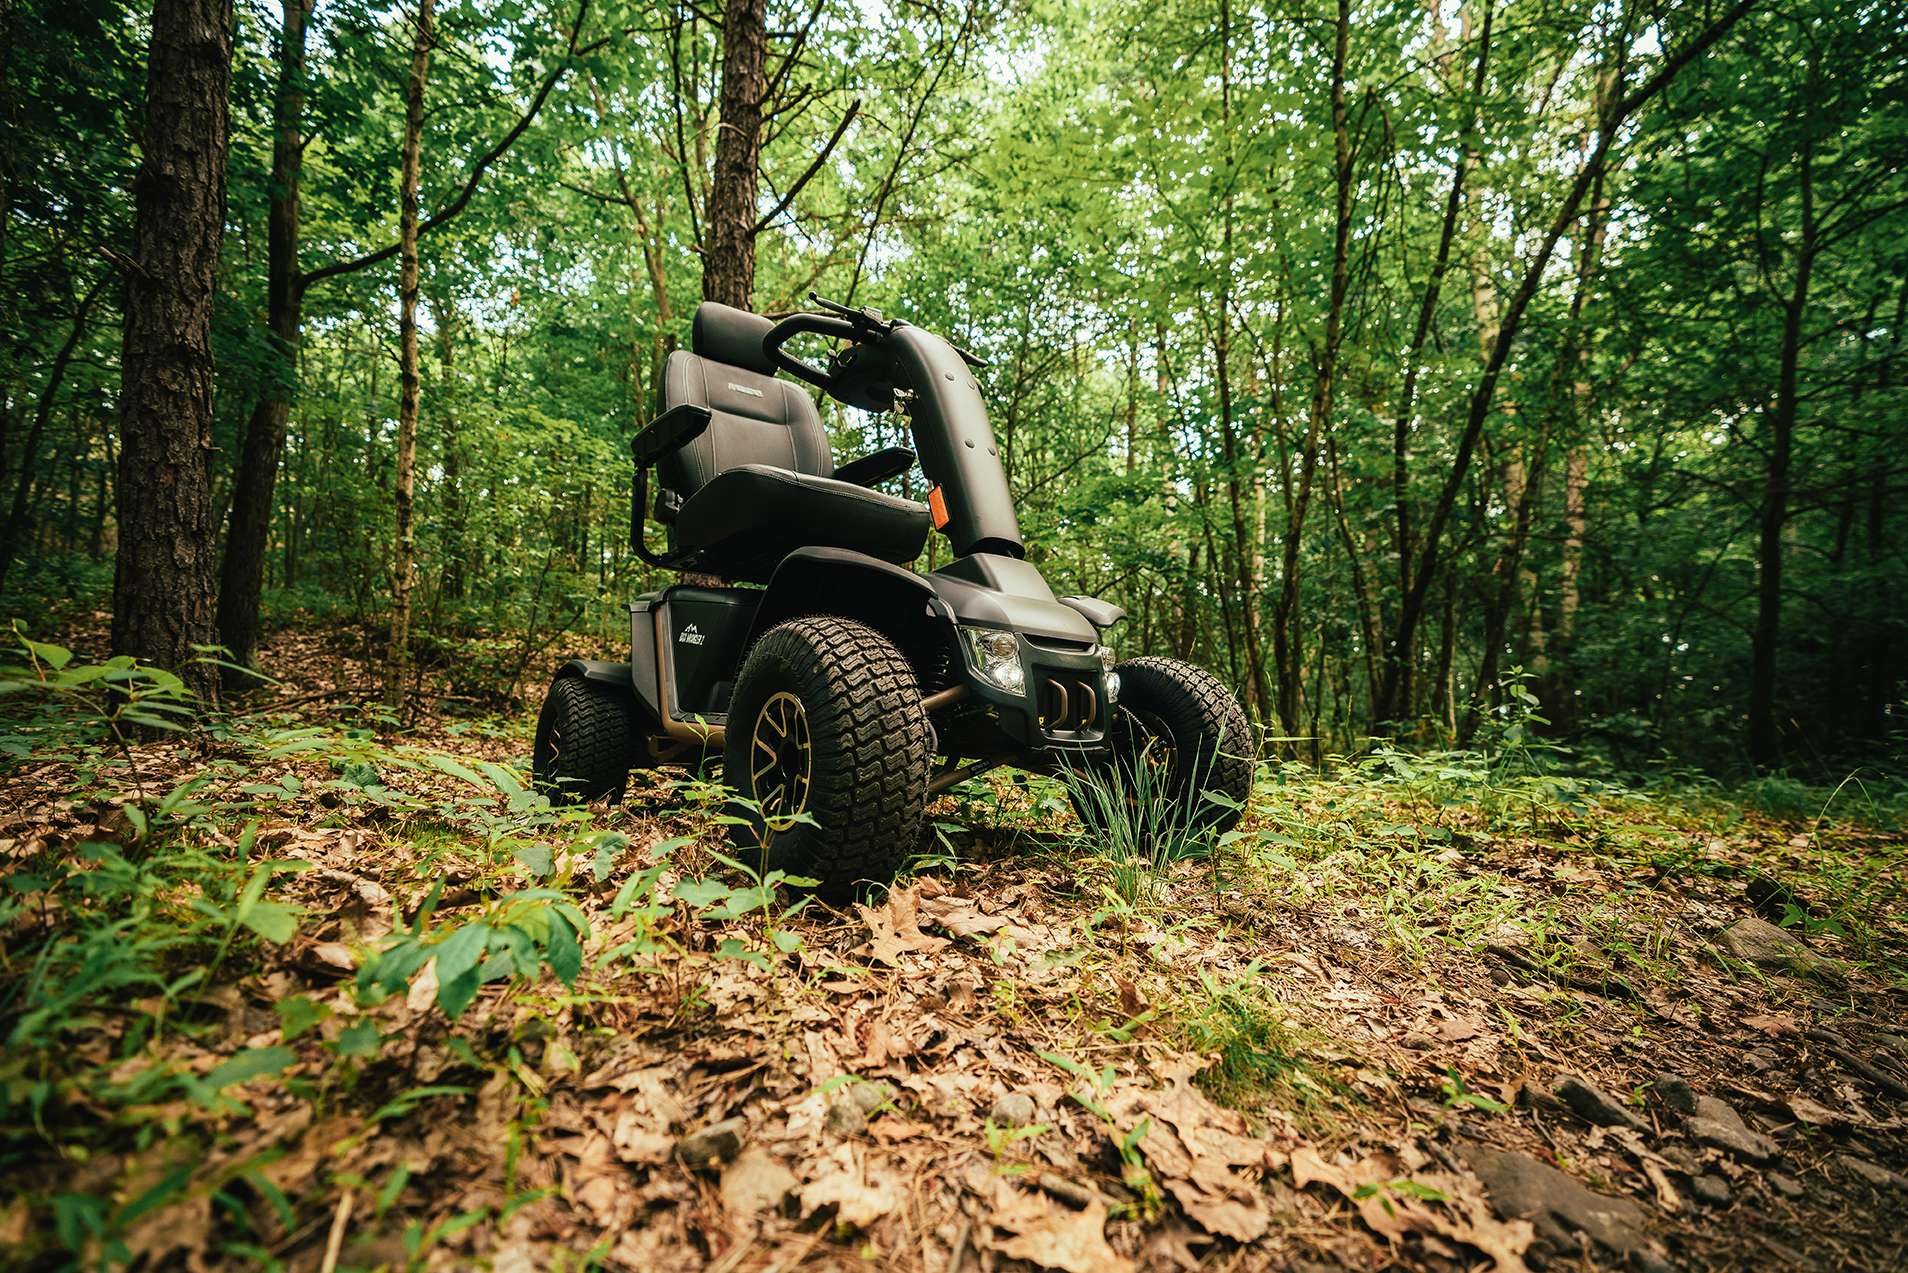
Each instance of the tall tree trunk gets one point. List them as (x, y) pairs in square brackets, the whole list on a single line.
[(1285, 636), (162, 583), (397, 661), (1764, 743), (728, 249), (242, 572), (1411, 612)]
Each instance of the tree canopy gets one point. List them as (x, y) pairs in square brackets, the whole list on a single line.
[(1380, 356)]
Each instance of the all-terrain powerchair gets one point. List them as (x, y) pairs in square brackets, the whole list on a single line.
[(852, 688)]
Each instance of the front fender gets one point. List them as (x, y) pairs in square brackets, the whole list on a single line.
[(894, 601)]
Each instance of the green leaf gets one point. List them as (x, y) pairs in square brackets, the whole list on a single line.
[(456, 769), (274, 921), (700, 894), (457, 975), (609, 847), (250, 1064), (732, 948), (360, 1039), (536, 859), (298, 1014), (501, 778), (563, 953)]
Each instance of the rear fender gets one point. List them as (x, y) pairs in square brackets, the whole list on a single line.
[(612, 676)]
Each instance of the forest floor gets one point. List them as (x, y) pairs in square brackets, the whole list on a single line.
[(306, 992)]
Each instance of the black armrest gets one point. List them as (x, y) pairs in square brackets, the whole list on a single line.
[(890, 462), (670, 431), (1101, 614)]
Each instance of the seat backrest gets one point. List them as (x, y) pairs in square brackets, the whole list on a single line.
[(753, 417)]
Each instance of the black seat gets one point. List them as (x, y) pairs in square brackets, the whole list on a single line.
[(756, 484)]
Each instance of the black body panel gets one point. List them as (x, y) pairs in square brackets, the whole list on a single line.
[(958, 451), (1006, 592), (708, 632)]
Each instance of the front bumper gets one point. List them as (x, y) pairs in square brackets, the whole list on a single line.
[(1065, 705)]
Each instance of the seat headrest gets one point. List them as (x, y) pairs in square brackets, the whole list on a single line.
[(732, 336)]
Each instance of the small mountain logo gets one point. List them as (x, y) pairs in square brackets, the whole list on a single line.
[(689, 636)]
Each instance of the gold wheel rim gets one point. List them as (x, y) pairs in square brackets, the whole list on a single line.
[(781, 760)]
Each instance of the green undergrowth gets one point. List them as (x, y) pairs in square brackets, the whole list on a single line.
[(154, 911)]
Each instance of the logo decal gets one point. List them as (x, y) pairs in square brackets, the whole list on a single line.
[(689, 636), (753, 393)]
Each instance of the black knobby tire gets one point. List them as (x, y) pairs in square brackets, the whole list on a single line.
[(870, 751), (585, 735), (1189, 712)]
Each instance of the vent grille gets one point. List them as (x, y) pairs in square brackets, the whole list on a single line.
[(1068, 703)]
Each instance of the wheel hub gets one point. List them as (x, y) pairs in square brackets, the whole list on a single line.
[(781, 760)]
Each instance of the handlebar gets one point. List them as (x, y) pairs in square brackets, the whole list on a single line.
[(795, 325)]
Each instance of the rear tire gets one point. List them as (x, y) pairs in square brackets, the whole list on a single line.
[(1185, 718), (585, 733), (826, 720)]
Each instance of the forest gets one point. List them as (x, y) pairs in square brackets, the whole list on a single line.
[(1505, 399)]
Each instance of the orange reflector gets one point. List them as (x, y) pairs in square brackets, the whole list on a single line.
[(937, 507)]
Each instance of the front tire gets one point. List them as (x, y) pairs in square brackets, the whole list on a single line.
[(584, 736), (826, 721), (1185, 723)]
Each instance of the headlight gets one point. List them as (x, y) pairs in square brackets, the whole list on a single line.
[(1112, 688), (995, 657), (1106, 657)]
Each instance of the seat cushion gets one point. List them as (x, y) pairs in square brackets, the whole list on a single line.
[(744, 520)]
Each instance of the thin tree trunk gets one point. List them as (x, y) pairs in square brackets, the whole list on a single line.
[(728, 250), (242, 572), (1285, 636), (162, 584), (397, 661), (1427, 310), (455, 511), (1764, 743), (1260, 698), (1411, 612), (36, 434)]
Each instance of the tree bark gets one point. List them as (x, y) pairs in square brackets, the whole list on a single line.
[(728, 250), (242, 573), (162, 584), (398, 659)]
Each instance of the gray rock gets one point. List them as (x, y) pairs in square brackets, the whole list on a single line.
[(1558, 1207), (718, 1142), (1763, 944), (1716, 1123), (1012, 1109), (1787, 1186), (850, 1112), (1675, 1093), (1593, 1106), (1874, 1173), (1712, 1191)]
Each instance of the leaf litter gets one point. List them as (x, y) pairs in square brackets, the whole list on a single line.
[(1294, 1054)]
